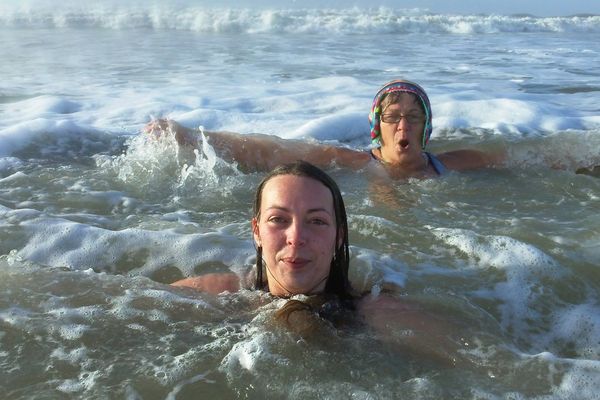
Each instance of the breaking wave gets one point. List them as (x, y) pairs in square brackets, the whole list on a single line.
[(171, 16)]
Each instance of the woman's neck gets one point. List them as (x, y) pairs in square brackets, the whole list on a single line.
[(405, 166)]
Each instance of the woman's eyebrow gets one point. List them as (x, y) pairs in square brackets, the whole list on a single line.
[(408, 111), (276, 207), (310, 210)]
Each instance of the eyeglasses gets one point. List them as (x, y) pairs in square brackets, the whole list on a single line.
[(396, 118)]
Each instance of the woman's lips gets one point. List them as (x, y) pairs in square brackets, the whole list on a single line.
[(295, 262)]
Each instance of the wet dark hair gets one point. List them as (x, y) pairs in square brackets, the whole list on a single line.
[(337, 281)]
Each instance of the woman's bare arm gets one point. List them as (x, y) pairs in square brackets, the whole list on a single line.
[(214, 283), (261, 152), (461, 160)]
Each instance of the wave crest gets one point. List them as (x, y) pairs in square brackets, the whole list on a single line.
[(354, 20)]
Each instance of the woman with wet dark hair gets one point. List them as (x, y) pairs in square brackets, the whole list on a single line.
[(337, 279), (300, 231)]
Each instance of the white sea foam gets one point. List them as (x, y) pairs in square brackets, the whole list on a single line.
[(15, 316), (85, 381), (21, 134), (581, 382), (512, 117), (244, 20), (247, 354), (169, 369), (16, 176), (79, 90), (506, 116), (341, 127), (173, 393), (372, 226), (500, 252), (523, 263), (74, 356), (370, 270), (580, 325), (73, 331), (57, 242), (9, 163)]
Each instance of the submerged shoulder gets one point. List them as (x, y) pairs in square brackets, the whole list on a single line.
[(372, 305)]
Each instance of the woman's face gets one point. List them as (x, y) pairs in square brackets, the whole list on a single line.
[(296, 229), (401, 141)]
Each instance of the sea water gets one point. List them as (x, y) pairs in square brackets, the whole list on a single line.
[(96, 220)]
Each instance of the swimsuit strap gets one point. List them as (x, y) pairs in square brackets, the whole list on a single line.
[(438, 166)]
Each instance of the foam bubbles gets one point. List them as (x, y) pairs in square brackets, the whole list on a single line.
[(84, 382), (8, 164), (73, 331), (247, 354), (579, 325), (507, 116), (370, 270), (342, 127), (74, 356), (57, 242), (501, 252), (42, 106), (525, 265), (168, 369), (251, 21), (148, 212)]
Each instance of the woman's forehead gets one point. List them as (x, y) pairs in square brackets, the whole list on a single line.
[(294, 189), (405, 101), (403, 98)]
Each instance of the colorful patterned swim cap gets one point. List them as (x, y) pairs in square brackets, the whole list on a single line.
[(398, 86)]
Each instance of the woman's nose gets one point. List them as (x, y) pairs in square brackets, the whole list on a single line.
[(296, 234), (402, 124)]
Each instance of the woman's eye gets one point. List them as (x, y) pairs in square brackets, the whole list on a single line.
[(319, 221), (276, 220)]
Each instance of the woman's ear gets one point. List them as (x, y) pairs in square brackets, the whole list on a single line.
[(256, 232)]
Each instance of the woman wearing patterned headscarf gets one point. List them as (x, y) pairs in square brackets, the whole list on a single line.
[(401, 125)]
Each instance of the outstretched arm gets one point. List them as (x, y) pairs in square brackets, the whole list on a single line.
[(213, 283), (461, 160), (261, 152)]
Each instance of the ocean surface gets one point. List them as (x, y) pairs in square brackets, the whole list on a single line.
[(96, 220)]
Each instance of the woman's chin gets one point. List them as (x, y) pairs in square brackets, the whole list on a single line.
[(304, 287), (404, 156)]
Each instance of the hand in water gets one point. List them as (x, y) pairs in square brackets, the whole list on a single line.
[(157, 127), (161, 127)]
